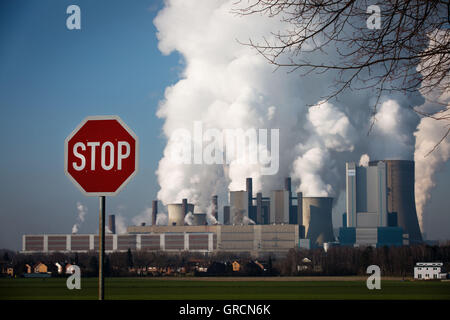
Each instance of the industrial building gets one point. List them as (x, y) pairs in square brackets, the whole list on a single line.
[(368, 220), (380, 211), (258, 225), (400, 196), (254, 239)]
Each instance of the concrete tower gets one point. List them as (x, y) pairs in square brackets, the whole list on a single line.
[(317, 220), (401, 198)]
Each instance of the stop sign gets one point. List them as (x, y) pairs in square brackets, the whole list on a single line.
[(101, 155)]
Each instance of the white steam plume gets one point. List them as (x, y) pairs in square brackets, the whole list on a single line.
[(209, 216), (121, 225), (145, 216), (247, 220), (428, 157), (226, 85), (82, 211), (189, 219), (162, 219), (364, 160)]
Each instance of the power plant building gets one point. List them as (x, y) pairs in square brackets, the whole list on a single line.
[(367, 221), (254, 239), (401, 203), (380, 211)]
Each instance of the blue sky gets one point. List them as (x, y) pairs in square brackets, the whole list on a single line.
[(50, 79)]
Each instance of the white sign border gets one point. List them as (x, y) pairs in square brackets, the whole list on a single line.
[(66, 145)]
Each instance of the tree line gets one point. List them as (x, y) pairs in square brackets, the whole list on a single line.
[(337, 261)]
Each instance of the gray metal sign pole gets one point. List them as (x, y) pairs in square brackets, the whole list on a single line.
[(101, 250)]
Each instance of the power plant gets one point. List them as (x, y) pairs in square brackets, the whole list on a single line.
[(401, 198), (317, 220), (380, 211)]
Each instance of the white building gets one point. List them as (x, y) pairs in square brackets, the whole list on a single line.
[(429, 270)]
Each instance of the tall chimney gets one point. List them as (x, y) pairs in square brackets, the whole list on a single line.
[(249, 190), (300, 213), (226, 214), (184, 206), (214, 210), (112, 223), (154, 211), (287, 185), (259, 208)]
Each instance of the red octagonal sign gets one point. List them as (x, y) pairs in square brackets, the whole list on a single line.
[(101, 155)]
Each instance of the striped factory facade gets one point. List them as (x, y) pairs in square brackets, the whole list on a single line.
[(204, 242), (254, 239)]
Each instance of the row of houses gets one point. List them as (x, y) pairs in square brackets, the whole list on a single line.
[(422, 270)]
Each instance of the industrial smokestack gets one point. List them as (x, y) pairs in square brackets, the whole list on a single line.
[(184, 207), (292, 211), (317, 220), (401, 198), (287, 185), (300, 214), (154, 211), (226, 214), (259, 208), (249, 190), (214, 212), (112, 223)]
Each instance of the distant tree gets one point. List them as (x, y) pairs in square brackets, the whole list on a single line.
[(217, 268), (93, 265), (107, 266), (394, 46), (129, 259), (269, 266), (366, 259)]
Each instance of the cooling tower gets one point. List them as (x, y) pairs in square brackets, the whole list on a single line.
[(177, 213), (279, 206), (238, 206), (199, 219), (317, 220), (401, 198)]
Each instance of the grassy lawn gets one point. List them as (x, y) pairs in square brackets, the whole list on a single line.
[(158, 289)]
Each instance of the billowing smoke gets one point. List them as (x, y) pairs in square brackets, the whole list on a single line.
[(189, 219), (364, 160), (82, 211), (247, 220), (429, 132), (162, 219), (226, 85), (144, 217), (429, 156), (210, 219), (121, 225)]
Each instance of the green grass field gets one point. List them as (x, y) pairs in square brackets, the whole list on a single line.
[(160, 289)]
